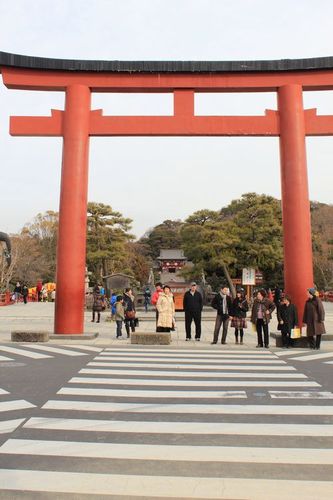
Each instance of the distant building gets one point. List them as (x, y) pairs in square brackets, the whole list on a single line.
[(170, 263)]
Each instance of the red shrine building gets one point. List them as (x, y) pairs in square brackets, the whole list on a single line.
[(77, 122)]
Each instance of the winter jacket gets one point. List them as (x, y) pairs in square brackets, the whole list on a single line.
[(155, 296), (217, 303), (128, 302), (239, 308), (266, 305), (314, 317), (289, 316), (166, 310), (120, 312), (192, 302), (98, 303)]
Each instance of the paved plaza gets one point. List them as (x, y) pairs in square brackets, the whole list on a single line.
[(102, 418)]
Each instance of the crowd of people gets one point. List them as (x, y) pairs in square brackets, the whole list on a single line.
[(236, 312), (39, 293)]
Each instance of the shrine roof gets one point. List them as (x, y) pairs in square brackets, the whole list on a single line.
[(172, 254), (31, 62)]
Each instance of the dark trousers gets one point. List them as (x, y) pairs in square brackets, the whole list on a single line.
[(98, 316), (223, 321), (119, 327), (285, 333), (241, 332), (314, 342), (25, 299), (129, 324), (261, 326), (196, 317), (156, 319)]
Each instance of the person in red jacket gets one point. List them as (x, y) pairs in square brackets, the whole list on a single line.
[(155, 297)]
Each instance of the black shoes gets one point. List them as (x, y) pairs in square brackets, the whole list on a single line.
[(213, 343), (197, 339), (259, 345)]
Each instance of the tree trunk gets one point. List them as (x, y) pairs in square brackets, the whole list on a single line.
[(231, 285)]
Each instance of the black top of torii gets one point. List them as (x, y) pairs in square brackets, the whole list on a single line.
[(44, 63)]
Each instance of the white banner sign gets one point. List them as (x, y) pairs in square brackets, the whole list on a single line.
[(249, 276)]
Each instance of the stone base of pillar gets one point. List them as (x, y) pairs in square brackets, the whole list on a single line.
[(26, 336)]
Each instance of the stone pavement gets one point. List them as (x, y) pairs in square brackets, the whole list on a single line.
[(40, 316)]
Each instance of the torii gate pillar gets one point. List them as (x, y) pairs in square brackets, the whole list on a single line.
[(71, 255), (298, 271)]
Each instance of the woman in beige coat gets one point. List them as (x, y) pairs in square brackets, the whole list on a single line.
[(166, 310)]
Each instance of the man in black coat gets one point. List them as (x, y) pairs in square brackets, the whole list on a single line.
[(288, 319), (222, 302), (192, 305)]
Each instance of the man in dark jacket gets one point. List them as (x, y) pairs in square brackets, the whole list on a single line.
[(288, 319), (223, 304), (192, 305)]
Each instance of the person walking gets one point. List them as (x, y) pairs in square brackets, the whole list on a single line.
[(166, 310), (240, 307), (314, 317), (17, 292), (119, 316), (147, 299), (155, 297), (25, 292), (261, 315), (97, 304), (192, 305), (222, 302), (288, 319), (129, 311)]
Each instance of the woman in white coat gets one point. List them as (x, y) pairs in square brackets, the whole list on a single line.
[(166, 310)]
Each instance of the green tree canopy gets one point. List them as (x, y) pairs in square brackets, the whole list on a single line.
[(165, 235), (107, 236)]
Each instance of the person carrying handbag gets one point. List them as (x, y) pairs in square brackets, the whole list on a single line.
[(129, 307)]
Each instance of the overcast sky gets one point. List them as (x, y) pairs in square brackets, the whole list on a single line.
[(153, 179)]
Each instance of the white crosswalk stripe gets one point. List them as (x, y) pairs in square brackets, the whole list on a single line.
[(191, 383), (204, 352), (199, 362), (188, 427), (7, 426), (290, 352), (301, 395), (24, 353), (2, 391), (84, 347), (279, 371), (64, 352), (5, 358), (166, 452), (312, 357), (176, 424), (18, 404), (221, 488), (180, 357), (135, 393), (203, 409)]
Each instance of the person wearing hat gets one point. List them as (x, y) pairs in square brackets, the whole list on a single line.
[(314, 317), (222, 302), (192, 305)]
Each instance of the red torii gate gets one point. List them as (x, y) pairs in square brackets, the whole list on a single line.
[(78, 79)]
